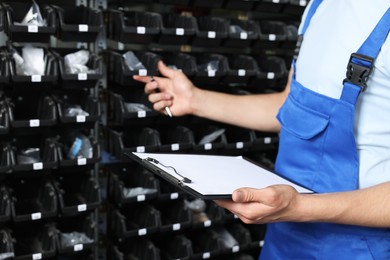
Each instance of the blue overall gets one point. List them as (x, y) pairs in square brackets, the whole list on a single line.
[(318, 150)]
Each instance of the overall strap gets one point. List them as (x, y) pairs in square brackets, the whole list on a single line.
[(313, 8), (361, 63)]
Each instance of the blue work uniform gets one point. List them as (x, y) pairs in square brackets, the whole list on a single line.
[(318, 150)]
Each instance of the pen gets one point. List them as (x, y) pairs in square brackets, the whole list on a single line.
[(166, 108)]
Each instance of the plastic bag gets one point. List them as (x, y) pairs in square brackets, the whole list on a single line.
[(212, 137), (74, 110), (81, 147), (76, 62), (32, 61), (74, 238), (33, 16), (132, 62), (29, 156)]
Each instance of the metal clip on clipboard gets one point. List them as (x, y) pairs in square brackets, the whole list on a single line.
[(182, 178)]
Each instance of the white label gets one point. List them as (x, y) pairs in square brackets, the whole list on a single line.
[(141, 197), (37, 256), (32, 29), (235, 216), (78, 247), (270, 75), (208, 146), (142, 232), (34, 122), (206, 255), (211, 34), (175, 147), (82, 161), (272, 37), (35, 216), (80, 119), (174, 196), (140, 149), (261, 243), (239, 145), (141, 30), (207, 223), (141, 113), (241, 72), (267, 140), (179, 31), (82, 76), (37, 166), (36, 78), (235, 249), (176, 227), (211, 73), (303, 3), (275, 1), (83, 27), (143, 72), (121, 46), (81, 207), (243, 36)]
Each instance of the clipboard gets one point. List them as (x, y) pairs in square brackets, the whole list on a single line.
[(210, 177)]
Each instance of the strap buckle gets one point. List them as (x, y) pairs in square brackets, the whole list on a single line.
[(358, 70)]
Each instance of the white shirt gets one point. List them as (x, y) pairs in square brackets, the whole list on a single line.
[(337, 29)]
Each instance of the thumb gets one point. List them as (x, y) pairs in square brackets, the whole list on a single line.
[(165, 71), (244, 195)]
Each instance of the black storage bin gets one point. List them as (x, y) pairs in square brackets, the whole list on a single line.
[(202, 134), (127, 105), (38, 154), (247, 5), (83, 227), (136, 249), (177, 29), (211, 68), (6, 244), (271, 35), (141, 140), (241, 68), (167, 191), (291, 37), (211, 31), (272, 74), (68, 102), (4, 115), (16, 11), (76, 81), (119, 73), (71, 152), (271, 6), (182, 61), (205, 213), (78, 193), (4, 67), (242, 33), (7, 159), (133, 26), (238, 139), (205, 244), (174, 2), (31, 83), (175, 216), (135, 221), (132, 184), (295, 7), (5, 205), (176, 139), (31, 111), (257, 233), (176, 247), (33, 200), (263, 140), (208, 4), (239, 233), (79, 23), (34, 242)]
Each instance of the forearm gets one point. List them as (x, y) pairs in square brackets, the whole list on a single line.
[(249, 111), (365, 207)]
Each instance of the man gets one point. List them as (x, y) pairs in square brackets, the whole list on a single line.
[(334, 136)]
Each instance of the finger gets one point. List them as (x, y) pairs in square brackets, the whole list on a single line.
[(143, 79), (161, 105), (160, 97), (151, 87), (166, 71)]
